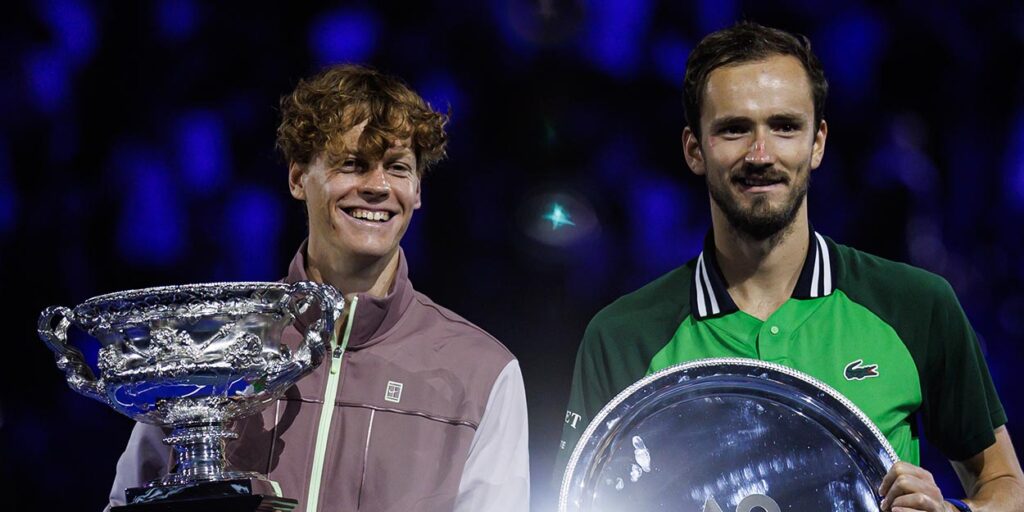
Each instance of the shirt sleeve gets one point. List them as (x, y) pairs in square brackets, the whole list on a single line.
[(146, 457), (496, 476), (590, 391), (960, 406)]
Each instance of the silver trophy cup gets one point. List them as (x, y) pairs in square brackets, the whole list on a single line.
[(192, 359)]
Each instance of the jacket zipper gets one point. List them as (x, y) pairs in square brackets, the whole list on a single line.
[(327, 411)]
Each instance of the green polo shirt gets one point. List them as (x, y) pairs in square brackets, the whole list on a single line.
[(890, 337)]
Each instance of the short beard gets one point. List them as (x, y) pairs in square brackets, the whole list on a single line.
[(759, 223)]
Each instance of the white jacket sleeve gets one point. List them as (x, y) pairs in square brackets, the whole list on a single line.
[(146, 457), (496, 477)]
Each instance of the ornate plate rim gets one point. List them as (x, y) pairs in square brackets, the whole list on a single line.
[(225, 285)]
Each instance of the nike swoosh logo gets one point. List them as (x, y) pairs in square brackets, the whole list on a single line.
[(854, 370)]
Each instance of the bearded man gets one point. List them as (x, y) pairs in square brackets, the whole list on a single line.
[(890, 337)]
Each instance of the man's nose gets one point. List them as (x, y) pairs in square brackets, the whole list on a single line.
[(375, 185), (759, 153)]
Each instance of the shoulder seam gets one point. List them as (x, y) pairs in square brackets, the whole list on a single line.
[(452, 317)]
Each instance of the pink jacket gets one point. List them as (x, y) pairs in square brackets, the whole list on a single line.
[(429, 415)]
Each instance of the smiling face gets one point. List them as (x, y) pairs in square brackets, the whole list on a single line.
[(358, 207), (758, 144)]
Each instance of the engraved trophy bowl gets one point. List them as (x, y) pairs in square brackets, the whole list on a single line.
[(193, 358), (725, 435)]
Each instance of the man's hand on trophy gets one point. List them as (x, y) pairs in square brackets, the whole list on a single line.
[(909, 488)]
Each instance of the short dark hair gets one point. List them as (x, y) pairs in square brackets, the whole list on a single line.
[(744, 42)]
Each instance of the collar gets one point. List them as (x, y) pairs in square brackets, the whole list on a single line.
[(375, 316), (708, 291)]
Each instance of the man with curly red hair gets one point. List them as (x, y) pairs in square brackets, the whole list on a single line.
[(416, 409)]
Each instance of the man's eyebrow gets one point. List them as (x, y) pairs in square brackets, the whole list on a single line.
[(399, 152), (781, 117), (729, 121), (337, 157), (787, 117)]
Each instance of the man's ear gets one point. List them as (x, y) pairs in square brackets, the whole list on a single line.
[(419, 180), (295, 183), (692, 152), (818, 151)]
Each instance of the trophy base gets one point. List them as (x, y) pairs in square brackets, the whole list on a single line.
[(225, 496)]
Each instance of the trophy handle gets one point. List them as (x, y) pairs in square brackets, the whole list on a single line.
[(69, 358), (318, 334)]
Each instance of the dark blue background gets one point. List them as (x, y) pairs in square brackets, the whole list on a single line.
[(136, 149)]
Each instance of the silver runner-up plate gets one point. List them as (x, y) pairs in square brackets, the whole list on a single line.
[(724, 435)]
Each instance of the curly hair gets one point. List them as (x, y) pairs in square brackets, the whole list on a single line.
[(322, 108)]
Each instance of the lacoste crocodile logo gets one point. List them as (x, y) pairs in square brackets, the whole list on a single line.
[(855, 370)]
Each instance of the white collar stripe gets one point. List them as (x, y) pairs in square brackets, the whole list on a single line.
[(711, 291), (701, 307), (827, 274), (814, 275)]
